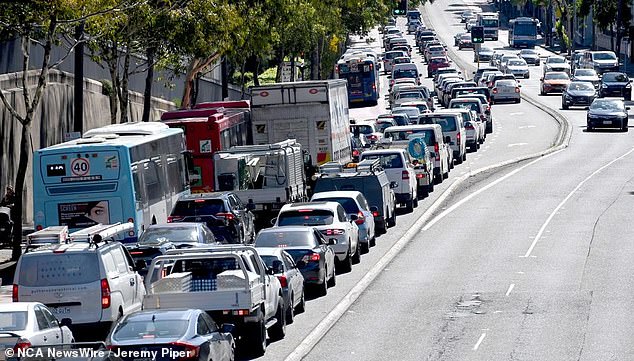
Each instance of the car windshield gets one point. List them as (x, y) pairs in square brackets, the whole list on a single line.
[(388, 161), (528, 52), (615, 77), (363, 129), (402, 60), (604, 56), (517, 62), (174, 234), (556, 76), (13, 321), (607, 104), (348, 204), (198, 207), (471, 105), (505, 83), (414, 95), (306, 217), (384, 124), (59, 269), (284, 239), (581, 86), (150, 329), (585, 72), (405, 73), (446, 122), (436, 48), (556, 60), (394, 54), (439, 60)]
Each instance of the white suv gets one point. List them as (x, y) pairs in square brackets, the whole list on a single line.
[(399, 170), (331, 220), (93, 284)]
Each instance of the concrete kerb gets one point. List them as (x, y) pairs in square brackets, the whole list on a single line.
[(562, 141)]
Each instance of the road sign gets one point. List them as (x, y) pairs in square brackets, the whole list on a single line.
[(477, 34)]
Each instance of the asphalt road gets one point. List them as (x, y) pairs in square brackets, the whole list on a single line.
[(531, 262)]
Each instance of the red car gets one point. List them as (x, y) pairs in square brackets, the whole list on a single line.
[(435, 64)]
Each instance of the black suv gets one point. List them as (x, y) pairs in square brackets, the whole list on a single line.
[(615, 84), (223, 212)]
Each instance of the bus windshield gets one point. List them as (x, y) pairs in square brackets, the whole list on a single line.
[(490, 23), (525, 29)]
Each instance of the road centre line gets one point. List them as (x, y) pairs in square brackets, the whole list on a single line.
[(561, 204), (511, 286), (477, 345)]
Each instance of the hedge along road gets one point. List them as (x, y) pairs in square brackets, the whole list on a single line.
[(322, 313)]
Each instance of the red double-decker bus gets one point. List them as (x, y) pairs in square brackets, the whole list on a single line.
[(211, 127)]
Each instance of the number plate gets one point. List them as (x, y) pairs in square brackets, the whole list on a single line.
[(607, 122), (354, 67), (60, 310)]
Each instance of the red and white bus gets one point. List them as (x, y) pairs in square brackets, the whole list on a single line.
[(208, 128)]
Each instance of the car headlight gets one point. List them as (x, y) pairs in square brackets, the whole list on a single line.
[(629, 85), (604, 85)]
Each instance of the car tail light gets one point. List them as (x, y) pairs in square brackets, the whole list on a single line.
[(311, 257), (517, 89), (469, 126), (458, 138), (226, 215), (39, 227), (373, 85), (355, 153), (495, 90), (360, 218), (404, 174), (14, 293), (22, 344), (136, 253), (436, 148), (105, 294), (375, 214), (283, 281), (171, 219), (191, 351), (237, 312), (420, 175), (333, 232)]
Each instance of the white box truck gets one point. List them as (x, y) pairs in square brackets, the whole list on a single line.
[(315, 113)]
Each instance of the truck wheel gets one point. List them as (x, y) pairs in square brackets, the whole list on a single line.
[(373, 241), (415, 201), (430, 187), (322, 288), (255, 339), (356, 258), (278, 331)]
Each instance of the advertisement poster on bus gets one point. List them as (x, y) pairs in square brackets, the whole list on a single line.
[(83, 214)]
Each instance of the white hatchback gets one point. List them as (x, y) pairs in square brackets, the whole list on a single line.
[(400, 171), (30, 324)]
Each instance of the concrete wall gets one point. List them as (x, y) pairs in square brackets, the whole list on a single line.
[(53, 118)]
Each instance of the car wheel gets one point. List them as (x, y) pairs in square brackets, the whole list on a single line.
[(628, 97), (356, 257), (625, 128), (322, 288), (464, 156), (391, 222), (415, 201), (542, 92), (458, 160), (588, 128), (438, 178), (255, 339), (301, 306), (527, 76), (372, 241), (445, 175), (365, 247), (345, 266), (290, 311), (564, 105), (421, 193), (278, 331)]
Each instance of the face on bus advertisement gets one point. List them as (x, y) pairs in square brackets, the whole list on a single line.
[(84, 214)]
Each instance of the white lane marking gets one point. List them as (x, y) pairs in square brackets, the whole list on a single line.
[(476, 193), (516, 144), (526, 126), (511, 286), (517, 113), (561, 204), (477, 345)]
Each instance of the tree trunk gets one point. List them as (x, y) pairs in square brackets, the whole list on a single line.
[(114, 91), (195, 67), (242, 85), (293, 67), (314, 63), (256, 72), (149, 80), (278, 71), (23, 163), (125, 93)]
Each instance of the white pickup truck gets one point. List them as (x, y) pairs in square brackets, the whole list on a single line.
[(231, 283)]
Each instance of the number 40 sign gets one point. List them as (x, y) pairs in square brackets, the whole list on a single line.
[(80, 166)]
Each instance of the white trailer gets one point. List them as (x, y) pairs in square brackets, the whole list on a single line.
[(266, 176), (315, 113)]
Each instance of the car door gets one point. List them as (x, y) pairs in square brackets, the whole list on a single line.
[(139, 288), (220, 344), (327, 252), (47, 333), (126, 280), (351, 227), (58, 335), (294, 277)]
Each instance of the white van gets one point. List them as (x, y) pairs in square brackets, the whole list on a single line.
[(452, 126), (93, 284)]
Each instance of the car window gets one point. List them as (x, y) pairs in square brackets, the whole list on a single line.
[(133, 329), (201, 326), (211, 324), (306, 217), (13, 320), (615, 77), (256, 264), (341, 213), (388, 161), (348, 204), (119, 260), (159, 234), (59, 269), (288, 262), (42, 321)]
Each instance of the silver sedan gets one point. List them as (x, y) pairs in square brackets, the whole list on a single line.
[(506, 89)]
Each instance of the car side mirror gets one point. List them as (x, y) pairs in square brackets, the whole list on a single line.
[(353, 217), (66, 322), (227, 328), (278, 266), (393, 185), (374, 209), (270, 271), (332, 241), (273, 221)]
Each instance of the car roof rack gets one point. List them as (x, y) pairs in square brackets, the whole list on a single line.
[(101, 233), (47, 236)]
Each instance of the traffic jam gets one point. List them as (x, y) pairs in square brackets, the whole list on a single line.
[(203, 235)]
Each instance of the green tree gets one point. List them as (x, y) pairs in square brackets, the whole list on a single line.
[(39, 23)]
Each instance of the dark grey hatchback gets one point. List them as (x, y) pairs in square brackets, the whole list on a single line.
[(615, 84), (607, 113), (578, 93)]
